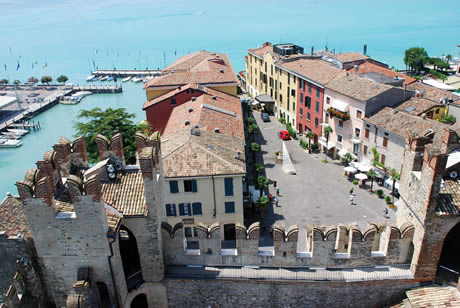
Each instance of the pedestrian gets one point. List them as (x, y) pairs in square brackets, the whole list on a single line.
[(274, 184), (385, 213), (277, 191), (351, 190), (275, 201), (352, 198)]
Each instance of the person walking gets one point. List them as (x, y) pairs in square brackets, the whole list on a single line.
[(352, 198), (275, 201), (274, 184), (277, 191)]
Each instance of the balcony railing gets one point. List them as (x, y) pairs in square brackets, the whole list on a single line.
[(344, 116)]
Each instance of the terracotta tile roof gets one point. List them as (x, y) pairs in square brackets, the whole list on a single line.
[(434, 297), (224, 113), (349, 57), (113, 218), (356, 87), (449, 197), (187, 155), (261, 51), (400, 122), (126, 193), (13, 219), (171, 94), (431, 93), (368, 67), (202, 67), (417, 106), (317, 70)]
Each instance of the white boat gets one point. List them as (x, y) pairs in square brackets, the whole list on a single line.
[(9, 143), (137, 79), (90, 78), (127, 79), (81, 94), (19, 132), (10, 135), (70, 100), (104, 78)]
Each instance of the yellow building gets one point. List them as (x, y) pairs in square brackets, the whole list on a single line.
[(209, 69), (265, 76)]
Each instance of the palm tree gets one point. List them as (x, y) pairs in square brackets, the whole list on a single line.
[(309, 135), (255, 147), (372, 175), (253, 129), (394, 176), (347, 158), (262, 182), (327, 131), (262, 203), (258, 167)]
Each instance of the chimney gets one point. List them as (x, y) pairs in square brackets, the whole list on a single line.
[(365, 49), (214, 97), (193, 99), (221, 70), (356, 69)]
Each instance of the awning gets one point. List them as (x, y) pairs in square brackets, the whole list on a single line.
[(323, 143), (339, 105), (389, 182)]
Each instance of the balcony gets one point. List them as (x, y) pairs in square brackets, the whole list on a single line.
[(344, 116)]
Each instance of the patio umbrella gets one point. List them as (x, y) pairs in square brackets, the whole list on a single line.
[(361, 176), (349, 169), (364, 168)]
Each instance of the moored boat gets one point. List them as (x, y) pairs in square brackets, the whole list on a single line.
[(90, 78), (19, 132), (110, 78), (127, 79), (138, 78), (9, 143), (104, 78), (70, 100)]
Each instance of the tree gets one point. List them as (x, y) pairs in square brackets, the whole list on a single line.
[(448, 58), (415, 58), (262, 203), (108, 123), (46, 79), (4, 81), (327, 131), (309, 135), (255, 147), (371, 174), (62, 79), (32, 80), (259, 168), (262, 182), (347, 158), (16, 82), (448, 119), (253, 129), (394, 176), (251, 121)]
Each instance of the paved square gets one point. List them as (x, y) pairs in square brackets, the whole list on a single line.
[(319, 193)]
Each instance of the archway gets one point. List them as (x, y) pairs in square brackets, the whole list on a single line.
[(449, 262), (229, 241), (140, 301), (130, 258), (103, 295)]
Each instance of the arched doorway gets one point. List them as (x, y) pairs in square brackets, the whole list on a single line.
[(229, 241), (140, 301), (130, 258), (449, 262), (103, 295)]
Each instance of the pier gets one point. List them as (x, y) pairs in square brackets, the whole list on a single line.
[(127, 73), (98, 89)]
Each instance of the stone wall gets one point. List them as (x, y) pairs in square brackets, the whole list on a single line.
[(10, 250), (260, 293)]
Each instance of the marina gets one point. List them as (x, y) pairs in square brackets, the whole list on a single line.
[(124, 73)]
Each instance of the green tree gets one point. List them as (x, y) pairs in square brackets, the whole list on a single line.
[(259, 168), (108, 123), (309, 135), (371, 174), (415, 58), (262, 203), (262, 183), (347, 158), (394, 176), (16, 82), (32, 80), (251, 120), (46, 79), (327, 131), (448, 119), (62, 79), (448, 58), (255, 147), (4, 81), (253, 129)]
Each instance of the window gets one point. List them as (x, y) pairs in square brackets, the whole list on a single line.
[(357, 132), (276, 84), (196, 207), (316, 122), (385, 142), (328, 100), (292, 92), (294, 78), (318, 91), (188, 91), (365, 150), (301, 98), (355, 149), (184, 209), (293, 107), (309, 87), (289, 78), (188, 232), (228, 186), (359, 114), (317, 107), (301, 111), (308, 101), (288, 104), (281, 97), (171, 209), (437, 111), (366, 133), (281, 74), (230, 207), (265, 67), (339, 138), (271, 69), (173, 102), (382, 159), (190, 186), (340, 125), (308, 116), (173, 187), (281, 85)]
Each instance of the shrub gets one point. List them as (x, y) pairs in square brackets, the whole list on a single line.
[(315, 146), (303, 144), (388, 199), (282, 120), (448, 119), (379, 193), (291, 132), (355, 182)]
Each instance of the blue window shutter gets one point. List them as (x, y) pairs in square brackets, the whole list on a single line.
[(197, 208), (194, 188), (173, 209), (228, 186), (230, 207), (173, 187), (181, 209), (168, 210)]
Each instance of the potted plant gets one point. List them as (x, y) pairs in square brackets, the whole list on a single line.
[(379, 193), (388, 199), (355, 182)]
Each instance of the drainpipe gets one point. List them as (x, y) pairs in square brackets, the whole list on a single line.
[(214, 195), (109, 259)]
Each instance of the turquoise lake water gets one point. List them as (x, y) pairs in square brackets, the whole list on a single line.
[(68, 36)]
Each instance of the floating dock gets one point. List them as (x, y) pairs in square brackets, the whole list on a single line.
[(98, 89), (127, 73)]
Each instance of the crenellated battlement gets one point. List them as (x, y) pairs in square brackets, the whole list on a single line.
[(331, 246)]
